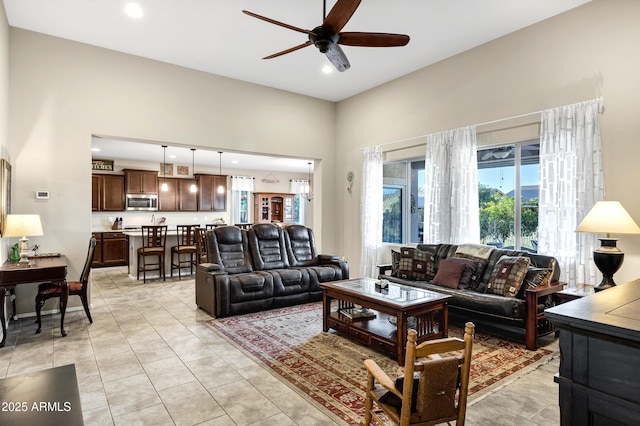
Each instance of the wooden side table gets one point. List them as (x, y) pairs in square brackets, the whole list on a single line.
[(576, 292)]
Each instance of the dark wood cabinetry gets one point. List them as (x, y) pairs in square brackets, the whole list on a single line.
[(178, 196), (272, 207), (168, 200), (209, 197), (107, 192), (141, 181), (599, 353), (112, 249)]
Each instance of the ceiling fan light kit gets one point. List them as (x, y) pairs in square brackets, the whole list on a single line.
[(327, 37)]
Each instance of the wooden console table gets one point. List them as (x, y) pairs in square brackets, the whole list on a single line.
[(600, 349), (40, 270)]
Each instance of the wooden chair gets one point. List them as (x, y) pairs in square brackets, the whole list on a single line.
[(76, 288), (153, 245), (186, 246), (442, 386), (201, 246)]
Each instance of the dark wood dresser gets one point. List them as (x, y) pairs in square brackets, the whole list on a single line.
[(599, 377)]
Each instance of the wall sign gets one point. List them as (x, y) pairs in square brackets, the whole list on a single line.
[(103, 165)]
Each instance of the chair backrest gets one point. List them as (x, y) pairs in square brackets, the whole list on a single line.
[(154, 236), (201, 245), (266, 242), (210, 226), (186, 235), (227, 246), (84, 276), (444, 380), (301, 245)]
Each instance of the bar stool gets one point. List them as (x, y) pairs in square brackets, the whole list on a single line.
[(186, 245), (153, 243), (201, 246)]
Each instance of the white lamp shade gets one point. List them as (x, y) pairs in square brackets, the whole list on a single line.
[(22, 225), (608, 217)]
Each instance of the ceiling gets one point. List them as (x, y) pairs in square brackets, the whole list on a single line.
[(214, 36)]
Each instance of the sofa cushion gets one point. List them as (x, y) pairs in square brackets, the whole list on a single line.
[(267, 247), (508, 275), (301, 246), (227, 246), (416, 264)]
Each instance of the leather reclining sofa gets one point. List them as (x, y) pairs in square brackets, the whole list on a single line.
[(503, 314), (263, 267)]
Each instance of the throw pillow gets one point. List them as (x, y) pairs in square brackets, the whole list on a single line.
[(479, 266), (394, 400), (416, 264), (507, 276), (449, 273), (454, 272), (395, 262), (535, 277)]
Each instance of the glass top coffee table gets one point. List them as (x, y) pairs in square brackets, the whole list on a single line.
[(380, 315)]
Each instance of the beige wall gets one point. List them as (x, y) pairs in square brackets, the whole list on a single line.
[(4, 95), (587, 52), (62, 92)]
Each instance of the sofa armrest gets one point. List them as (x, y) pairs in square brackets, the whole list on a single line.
[(533, 320), (326, 259), (210, 267), (384, 268)]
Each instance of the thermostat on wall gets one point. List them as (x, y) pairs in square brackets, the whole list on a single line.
[(42, 195)]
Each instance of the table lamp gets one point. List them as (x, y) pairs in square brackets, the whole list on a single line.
[(23, 225), (608, 217)]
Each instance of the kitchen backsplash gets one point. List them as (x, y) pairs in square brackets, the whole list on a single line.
[(103, 221)]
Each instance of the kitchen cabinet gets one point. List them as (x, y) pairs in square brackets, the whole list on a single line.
[(141, 181), (107, 192), (168, 200), (272, 207), (178, 196), (187, 200), (209, 198), (112, 249)]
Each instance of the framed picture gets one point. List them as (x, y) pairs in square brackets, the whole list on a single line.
[(182, 170), (166, 169), (5, 195)]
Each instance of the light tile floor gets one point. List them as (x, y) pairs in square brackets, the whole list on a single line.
[(149, 359)]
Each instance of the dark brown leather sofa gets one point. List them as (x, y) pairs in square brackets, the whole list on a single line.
[(261, 268), (498, 314)]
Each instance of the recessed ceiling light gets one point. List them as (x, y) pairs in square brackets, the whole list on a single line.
[(133, 10), (327, 69), (95, 149), (234, 162), (172, 156)]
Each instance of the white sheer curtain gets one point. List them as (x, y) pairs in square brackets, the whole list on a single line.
[(451, 212), (571, 181), (371, 210), (239, 184)]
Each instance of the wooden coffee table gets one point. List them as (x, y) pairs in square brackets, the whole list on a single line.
[(392, 305)]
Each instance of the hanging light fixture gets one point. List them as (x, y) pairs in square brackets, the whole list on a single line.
[(309, 192), (164, 186), (220, 187), (193, 187)]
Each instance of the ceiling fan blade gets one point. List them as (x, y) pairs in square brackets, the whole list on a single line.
[(373, 39), (292, 49), (337, 57), (272, 21), (340, 15)]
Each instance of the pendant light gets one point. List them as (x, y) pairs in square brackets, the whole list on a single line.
[(309, 193), (193, 188), (220, 187), (164, 186)]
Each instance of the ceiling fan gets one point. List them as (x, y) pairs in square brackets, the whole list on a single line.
[(327, 37)]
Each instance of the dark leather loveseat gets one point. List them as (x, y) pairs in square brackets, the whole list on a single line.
[(474, 300), (263, 267)]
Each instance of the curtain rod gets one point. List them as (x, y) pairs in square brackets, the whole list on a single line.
[(243, 177), (486, 123)]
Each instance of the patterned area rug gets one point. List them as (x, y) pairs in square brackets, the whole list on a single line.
[(329, 368)]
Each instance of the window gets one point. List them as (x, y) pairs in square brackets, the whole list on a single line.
[(403, 201), (508, 178)]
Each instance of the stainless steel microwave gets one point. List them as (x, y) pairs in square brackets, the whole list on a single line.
[(143, 202)]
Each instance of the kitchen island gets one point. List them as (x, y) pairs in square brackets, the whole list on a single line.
[(135, 242)]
